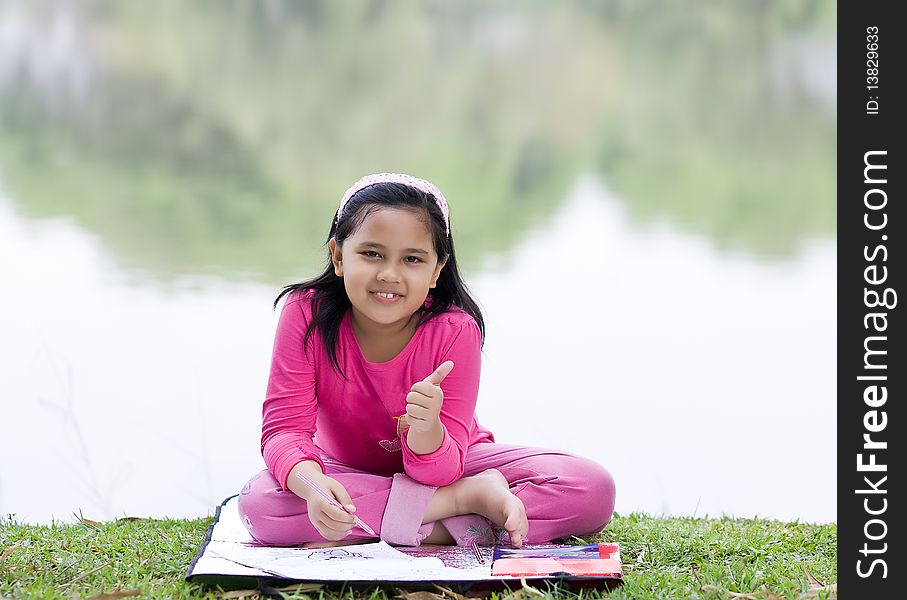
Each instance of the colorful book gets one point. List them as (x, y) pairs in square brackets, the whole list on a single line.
[(593, 560)]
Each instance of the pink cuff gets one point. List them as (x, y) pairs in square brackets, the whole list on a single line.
[(281, 461), (401, 524), (438, 468)]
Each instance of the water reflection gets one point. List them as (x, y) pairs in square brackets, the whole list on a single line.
[(704, 380), (185, 154)]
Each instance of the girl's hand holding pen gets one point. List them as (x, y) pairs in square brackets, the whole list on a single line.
[(332, 523), (423, 402)]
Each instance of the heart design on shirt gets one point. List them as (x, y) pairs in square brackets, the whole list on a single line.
[(393, 445)]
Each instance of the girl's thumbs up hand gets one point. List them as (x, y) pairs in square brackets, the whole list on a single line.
[(423, 402)]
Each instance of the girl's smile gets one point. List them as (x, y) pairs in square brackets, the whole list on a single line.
[(385, 298)]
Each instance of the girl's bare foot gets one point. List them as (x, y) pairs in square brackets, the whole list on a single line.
[(488, 494)]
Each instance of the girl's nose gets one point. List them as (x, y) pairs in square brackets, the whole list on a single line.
[(387, 274)]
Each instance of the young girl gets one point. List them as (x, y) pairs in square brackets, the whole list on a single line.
[(372, 396)]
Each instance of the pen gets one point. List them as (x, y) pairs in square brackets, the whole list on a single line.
[(333, 501), (475, 548)]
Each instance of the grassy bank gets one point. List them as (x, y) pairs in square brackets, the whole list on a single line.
[(663, 558)]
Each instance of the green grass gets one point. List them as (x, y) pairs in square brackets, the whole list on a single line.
[(663, 558)]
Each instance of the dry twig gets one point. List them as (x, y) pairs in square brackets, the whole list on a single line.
[(10, 550), (115, 595)]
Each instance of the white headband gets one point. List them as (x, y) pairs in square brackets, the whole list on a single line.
[(415, 182)]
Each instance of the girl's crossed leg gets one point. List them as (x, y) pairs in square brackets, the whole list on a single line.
[(562, 494)]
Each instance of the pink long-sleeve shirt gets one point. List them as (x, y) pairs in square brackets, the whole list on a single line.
[(310, 408)]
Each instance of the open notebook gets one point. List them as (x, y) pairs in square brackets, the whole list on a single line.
[(229, 557)]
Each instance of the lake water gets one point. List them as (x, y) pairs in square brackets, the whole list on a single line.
[(703, 379)]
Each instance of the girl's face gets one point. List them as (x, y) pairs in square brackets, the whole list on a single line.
[(392, 251)]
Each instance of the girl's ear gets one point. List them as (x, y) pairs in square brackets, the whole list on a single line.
[(336, 257), (437, 273)]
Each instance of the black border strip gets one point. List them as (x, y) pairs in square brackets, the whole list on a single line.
[(870, 262)]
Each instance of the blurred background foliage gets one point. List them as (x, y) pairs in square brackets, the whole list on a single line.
[(216, 136)]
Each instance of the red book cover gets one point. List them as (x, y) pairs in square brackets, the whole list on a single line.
[(596, 560)]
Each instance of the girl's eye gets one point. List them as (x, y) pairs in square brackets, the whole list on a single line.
[(370, 252)]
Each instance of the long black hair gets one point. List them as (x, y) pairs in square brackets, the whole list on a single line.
[(330, 301)]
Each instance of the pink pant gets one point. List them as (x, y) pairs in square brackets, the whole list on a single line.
[(563, 494)]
